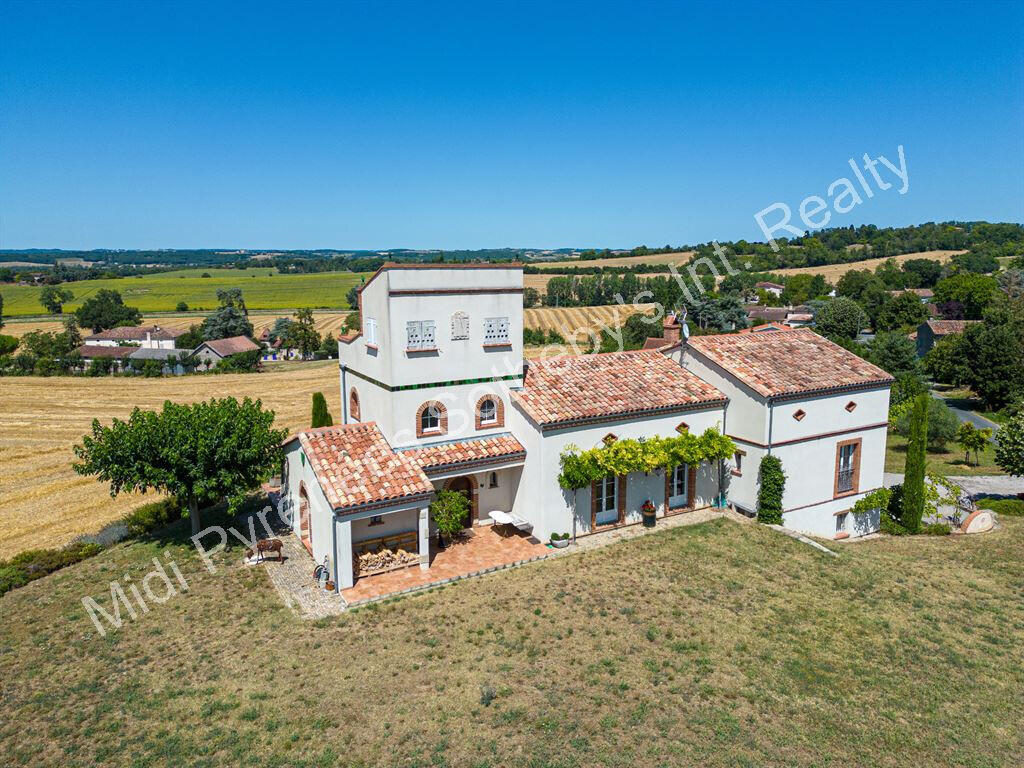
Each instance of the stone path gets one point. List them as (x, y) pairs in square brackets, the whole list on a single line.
[(293, 580), (976, 485)]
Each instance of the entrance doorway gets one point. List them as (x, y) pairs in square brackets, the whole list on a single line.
[(464, 485)]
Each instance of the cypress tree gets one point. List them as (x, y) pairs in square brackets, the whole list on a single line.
[(769, 494), (321, 416), (913, 480)]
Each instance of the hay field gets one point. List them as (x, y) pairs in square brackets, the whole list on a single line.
[(621, 261), (572, 320), (326, 322), (43, 503), (832, 272), (263, 288)]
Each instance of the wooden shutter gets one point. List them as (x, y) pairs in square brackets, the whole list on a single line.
[(621, 498), (691, 486), (427, 334), (414, 339)]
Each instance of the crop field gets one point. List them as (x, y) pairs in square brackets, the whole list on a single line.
[(326, 322), (832, 272), (43, 503), (570, 321), (720, 644), (263, 289), (621, 261)]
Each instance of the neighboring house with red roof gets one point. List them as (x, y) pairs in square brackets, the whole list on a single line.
[(436, 395), (147, 336), (818, 407), (933, 330), (773, 288), (212, 352)]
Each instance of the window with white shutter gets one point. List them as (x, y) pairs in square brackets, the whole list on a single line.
[(414, 338), (371, 331), (496, 330), (420, 334)]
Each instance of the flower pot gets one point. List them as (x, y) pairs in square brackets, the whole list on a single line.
[(650, 517), (559, 543)]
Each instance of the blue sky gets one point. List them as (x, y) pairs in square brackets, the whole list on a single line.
[(485, 125)]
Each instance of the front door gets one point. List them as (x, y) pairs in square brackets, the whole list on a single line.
[(464, 485), (679, 495)]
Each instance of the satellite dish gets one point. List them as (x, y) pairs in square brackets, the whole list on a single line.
[(686, 332)]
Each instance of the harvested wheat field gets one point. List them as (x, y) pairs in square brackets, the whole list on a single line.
[(576, 321), (326, 322), (621, 261), (832, 272), (43, 503)]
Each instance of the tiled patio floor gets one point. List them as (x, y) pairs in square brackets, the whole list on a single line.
[(480, 549)]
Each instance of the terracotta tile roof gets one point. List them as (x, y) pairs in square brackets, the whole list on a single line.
[(464, 452), (98, 350), (769, 285), (230, 346), (356, 466), (571, 388), (788, 363), (656, 342), (771, 314), (766, 327), (947, 327), (136, 333)]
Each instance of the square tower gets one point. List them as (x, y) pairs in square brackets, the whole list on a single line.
[(439, 349)]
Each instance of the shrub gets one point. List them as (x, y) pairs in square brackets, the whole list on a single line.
[(942, 424), (1011, 507), (36, 563), (936, 529), (152, 516), (449, 510), (321, 415), (181, 306), (7, 344), (772, 484)]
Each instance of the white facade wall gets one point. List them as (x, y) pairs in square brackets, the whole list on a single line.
[(806, 446), (550, 508)]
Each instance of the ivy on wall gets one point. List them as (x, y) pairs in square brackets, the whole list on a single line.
[(771, 487), (581, 468)]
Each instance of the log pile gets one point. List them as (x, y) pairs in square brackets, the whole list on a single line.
[(383, 559)]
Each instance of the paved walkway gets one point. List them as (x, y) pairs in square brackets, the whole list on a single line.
[(293, 580)]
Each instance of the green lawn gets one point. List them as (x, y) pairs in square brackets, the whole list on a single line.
[(950, 462), (263, 289), (716, 645)]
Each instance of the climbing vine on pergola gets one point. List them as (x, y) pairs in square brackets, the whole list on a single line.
[(581, 468)]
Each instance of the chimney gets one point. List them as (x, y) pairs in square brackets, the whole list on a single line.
[(671, 330)]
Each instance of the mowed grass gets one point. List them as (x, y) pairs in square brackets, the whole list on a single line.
[(263, 288), (716, 645), (325, 322), (952, 461), (43, 503)]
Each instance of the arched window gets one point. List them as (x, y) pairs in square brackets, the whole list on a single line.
[(431, 419), (353, 405), (490, 412)]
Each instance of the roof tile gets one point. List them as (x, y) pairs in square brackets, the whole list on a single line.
[(465, 451), (788, 363), (570, 388)]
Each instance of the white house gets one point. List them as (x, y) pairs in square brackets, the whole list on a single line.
[(146, 336), (436, 395), (818, 407)]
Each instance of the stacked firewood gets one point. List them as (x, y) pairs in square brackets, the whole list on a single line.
[(384, 558)]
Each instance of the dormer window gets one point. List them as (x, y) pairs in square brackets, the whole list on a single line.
[(420, 335), (496, 331), (460, 326)]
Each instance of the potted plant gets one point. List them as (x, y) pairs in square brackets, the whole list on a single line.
[(649, 513), (560, 540)]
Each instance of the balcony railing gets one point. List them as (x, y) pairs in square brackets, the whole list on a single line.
[(845, 480)]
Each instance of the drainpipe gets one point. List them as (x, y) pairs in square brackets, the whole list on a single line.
[(334, 551), (771, 421), (344, 400)]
